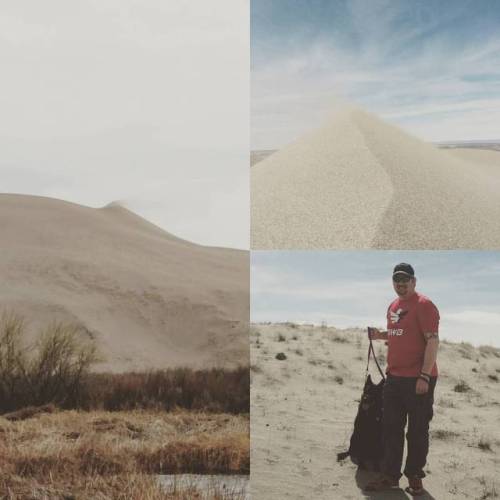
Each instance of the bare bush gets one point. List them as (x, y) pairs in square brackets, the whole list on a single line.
[(61, 364), (50, 371)]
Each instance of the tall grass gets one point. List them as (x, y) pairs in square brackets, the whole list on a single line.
[(214, 390), (57, 369)]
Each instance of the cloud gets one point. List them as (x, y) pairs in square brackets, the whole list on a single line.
[(427, 70), (346, 289)]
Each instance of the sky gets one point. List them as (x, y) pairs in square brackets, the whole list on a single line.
[(354, 289), (429, 66), (142, 102)]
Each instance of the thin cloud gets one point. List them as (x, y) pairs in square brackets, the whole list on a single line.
[(413, 65)]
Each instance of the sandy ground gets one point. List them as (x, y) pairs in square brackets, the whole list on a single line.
[(149, 299), (359, 182), (303, 408)]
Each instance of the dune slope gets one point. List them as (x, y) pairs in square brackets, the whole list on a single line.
[(359, 182), (150, 299), (303, 409)]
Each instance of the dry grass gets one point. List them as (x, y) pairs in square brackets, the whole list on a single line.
[(462, 386), (444, 434), (71, 443), (215, 390)]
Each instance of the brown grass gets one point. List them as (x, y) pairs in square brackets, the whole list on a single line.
[(215, 390), (71, 443)]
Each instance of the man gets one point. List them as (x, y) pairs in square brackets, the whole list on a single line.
[(412, 340)]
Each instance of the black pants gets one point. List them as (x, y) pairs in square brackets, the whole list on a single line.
[(401, 403)]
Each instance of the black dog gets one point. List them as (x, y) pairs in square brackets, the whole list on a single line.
[(365, 447)]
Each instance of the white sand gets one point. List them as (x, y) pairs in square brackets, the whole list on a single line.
[(150, 299), (302, 417), (361, 183)]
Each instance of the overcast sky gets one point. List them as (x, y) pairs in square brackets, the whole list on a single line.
[(354, 289), (140, 101), (432, 67)]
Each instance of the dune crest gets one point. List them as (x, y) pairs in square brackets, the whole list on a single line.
[(150, 299), (359, 182)]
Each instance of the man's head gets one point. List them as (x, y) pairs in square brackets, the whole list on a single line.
[(403, 280)]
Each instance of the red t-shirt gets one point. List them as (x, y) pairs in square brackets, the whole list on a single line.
[(407, 321)]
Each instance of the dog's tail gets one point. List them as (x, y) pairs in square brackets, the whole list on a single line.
[(342, 456)]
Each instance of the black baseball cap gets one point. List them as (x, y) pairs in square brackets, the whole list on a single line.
[(404, 268)]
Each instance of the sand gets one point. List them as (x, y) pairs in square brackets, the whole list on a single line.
[(359, 182), (148, 298), (303, 410)]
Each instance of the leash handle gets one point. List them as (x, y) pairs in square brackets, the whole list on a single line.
[(371, 351)]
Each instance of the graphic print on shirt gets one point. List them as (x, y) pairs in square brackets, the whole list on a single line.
[(398, 315)]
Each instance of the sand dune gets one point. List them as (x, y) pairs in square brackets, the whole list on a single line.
[(149, 298), (303, 410), (359, 182)]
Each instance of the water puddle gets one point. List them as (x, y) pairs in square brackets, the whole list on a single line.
[(228, 487)]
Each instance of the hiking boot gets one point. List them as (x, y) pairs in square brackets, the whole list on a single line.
[(415, 486), (382, 483)]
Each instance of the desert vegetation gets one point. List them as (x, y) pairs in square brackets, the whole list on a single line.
[(57, 369), (304, 405), (68, 432)]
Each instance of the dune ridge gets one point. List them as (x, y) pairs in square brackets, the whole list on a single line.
[(359, 182), (150, 299)]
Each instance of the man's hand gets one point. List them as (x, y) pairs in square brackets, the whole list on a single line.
[(376, 334), (422, 387)]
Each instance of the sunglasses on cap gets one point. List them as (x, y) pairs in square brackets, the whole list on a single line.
[(401, 278)]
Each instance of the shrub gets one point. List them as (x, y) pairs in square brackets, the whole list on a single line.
[(484, 444), (214, 390), (462, 386), (50, 371)]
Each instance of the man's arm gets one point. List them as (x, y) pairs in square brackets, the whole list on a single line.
[(431, 349), (376, 334)]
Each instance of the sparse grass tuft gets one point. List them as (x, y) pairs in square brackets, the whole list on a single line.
[(446, 403), (281, 338), (466, 350), (444, 434), (484, 444), (339, 380), (341, 339), (489, 490), (488, 350), (462, 386), (493, 377)]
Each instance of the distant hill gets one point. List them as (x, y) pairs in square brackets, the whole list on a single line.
[(150, 299)]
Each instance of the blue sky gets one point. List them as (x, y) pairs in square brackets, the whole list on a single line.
[(432, 67), (354, 288)]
